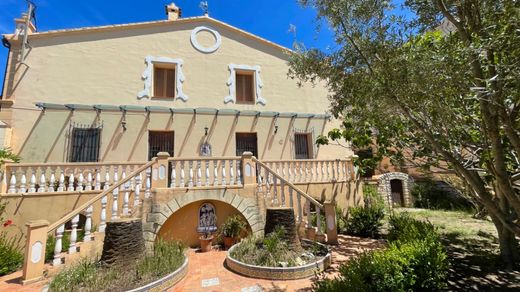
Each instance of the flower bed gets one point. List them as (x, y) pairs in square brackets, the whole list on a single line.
[(305, 270)]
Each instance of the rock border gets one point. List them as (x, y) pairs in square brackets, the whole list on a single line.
[(278, 273), (167, 281)]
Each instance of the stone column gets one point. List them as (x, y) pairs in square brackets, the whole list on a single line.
[(160, 173), (248, 169), (330, 219), (34, 258)]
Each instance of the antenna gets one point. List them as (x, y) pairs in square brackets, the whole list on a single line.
[(28, 17), (204, 6)]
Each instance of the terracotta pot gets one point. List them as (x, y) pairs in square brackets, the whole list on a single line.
[(230, 241), (205, 243)]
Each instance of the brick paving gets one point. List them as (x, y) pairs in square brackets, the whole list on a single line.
[(206, 272)]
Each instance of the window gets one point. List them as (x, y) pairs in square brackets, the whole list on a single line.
[(246, 142), (85, 144), (245, 92), (164, 82), (302, 146), (160, 141)]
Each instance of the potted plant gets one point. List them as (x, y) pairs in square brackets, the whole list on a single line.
[(231, 229), (205, 241)]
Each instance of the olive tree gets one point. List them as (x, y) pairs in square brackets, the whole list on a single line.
[(433, 81)]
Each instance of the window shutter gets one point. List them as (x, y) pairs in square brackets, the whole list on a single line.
[(158, 77), (244, 88), (170, 82), (240, 87)]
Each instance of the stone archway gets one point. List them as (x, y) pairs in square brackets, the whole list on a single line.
[(161, 212), (385, 187)]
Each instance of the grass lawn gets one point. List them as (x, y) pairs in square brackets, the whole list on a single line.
[(472, 247)]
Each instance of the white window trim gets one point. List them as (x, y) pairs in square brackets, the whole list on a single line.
[(148, 76), (232, 81)]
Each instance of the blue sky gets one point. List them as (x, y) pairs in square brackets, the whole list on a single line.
[(269, 19)]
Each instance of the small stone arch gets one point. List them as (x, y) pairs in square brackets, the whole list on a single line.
[(161, 212), (385, 188)]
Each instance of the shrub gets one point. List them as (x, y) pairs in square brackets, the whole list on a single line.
[(429, 195), (365, 221), (269, 251), (11, 257), (233, 226), (414, 261), (86, 275)]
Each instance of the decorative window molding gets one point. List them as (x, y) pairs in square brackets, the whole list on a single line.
[(201, 48), (148, 76), (231, 83)]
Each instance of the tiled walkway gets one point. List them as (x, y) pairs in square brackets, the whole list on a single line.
[(206, 272)]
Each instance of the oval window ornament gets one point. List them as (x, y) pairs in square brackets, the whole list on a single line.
[(201, 48)]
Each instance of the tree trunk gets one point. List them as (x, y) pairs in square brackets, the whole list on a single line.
[(509, 250)]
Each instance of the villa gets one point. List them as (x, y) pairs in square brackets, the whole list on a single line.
[(180, 122)]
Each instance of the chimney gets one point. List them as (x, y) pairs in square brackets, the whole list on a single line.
[(173, 11)]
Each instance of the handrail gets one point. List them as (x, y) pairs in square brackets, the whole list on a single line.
[(77, 164), (85, 205), (288, 183), (305, 160), (204, 158)]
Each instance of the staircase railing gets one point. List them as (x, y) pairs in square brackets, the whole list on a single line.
[(273, 186), (119, 185)]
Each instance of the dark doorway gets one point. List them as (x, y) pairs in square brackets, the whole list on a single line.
[(160, 141), (246, 142), (396, 188)]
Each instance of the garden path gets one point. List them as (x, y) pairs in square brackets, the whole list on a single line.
[(206, 271)]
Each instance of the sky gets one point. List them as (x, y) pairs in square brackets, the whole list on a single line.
[(269, 19)]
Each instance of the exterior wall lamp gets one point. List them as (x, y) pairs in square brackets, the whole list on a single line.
[(206, 131), (275, 129)]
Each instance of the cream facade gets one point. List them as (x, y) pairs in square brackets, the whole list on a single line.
[(97, 76)]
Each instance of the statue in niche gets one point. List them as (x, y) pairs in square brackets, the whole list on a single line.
[(207, 218)]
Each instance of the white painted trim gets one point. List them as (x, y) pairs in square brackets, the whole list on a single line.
[(231, 83), (201, 48), (148, 76)]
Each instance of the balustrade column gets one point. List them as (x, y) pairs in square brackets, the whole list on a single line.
[(43, 182), (148, 183), (58, 245), (61, 183), (182, 175), (300, 209), (32, 182), (224, 173), (52, 181), (126, 196), (199, 174), (282, 192), (215, 173), (71, 182), (291, 200), (239, 172), (97, 183), (289, 172), (23, 182), (231, 173), (88, 185), (79, 187), (318, 220), (88, 224), (115, 197), (104, 202), (206, 173), (173, 178), (137, 190), (12, 183), (190, 173), (74, 235)]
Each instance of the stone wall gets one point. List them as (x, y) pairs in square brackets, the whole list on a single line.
[(385, 190)]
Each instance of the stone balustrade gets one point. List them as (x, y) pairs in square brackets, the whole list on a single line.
[(64, 177), (313, 171), (204, 172)]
